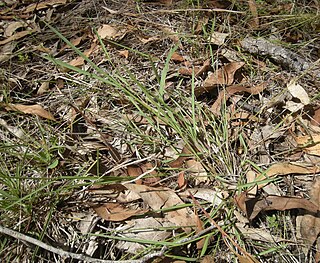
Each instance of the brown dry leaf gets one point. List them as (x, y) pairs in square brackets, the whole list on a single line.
[(254, 22), (44, 87), (30, 109), (44, 4), (176, 57), (259, 234), (251, 177), (107, 31), (215, 108), (314, 141), (12, 27), (308, 225), (17, 36), (116, 212), (196, 169), (218, 38), (285, 169), (149, 228), (79, 61), (189, 71), (222, 76), (253, 206), (201, 242), (181, 180), (316, 117), (160, 198), (185, 155), (124, 53)]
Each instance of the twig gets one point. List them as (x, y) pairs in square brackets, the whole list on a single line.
[(64, 254)]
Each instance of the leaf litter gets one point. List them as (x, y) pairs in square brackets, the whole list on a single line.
[(240, 128)]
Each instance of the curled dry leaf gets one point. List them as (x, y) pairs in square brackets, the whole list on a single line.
[(17, 36), (309, 144), (308, 225), (218, 38), (176, 57), (259, 234), (43, 4), (107, 31), (30, 109), (225, 94), (79, 61), (297, 91), (222, 76), (117, 212), (285, 169), (161, 198), (253, 206)]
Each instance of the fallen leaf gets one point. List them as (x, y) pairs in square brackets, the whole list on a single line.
[(285, 169), (107, 31), (30, 109), (44, 87), (308, 225), (222, 76), (185, 155), (253, 206), (254, 22), (251, 177), (124, 53), (218, 38), (313, 141), (197, 171), (181, 180), (79, 61), (143, 229), (12, 27), (177, 57), (162, 198), (259, 234), (44, 4), (316, 117), (224, 95), (17, 36), (116, 212), (297, 91)]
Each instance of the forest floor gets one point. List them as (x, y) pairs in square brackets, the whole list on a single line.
[(164, 131)]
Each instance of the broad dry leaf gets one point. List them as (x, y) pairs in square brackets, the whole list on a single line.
[(30, 109), (43, 4), (213, 196), (308, 225), (116, 212), (254, 22), (107, 31), (297, 91), (259, 234), (79, 61), (12, 27), (17, 36), (176, 57), (181, 180), (316, 117), (253, 206), (160, 198), (149, 228), (218, 38), (222, 76), (285, 169), (313, 142), (224, 95)]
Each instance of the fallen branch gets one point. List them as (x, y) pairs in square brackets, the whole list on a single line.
[(64, 254)]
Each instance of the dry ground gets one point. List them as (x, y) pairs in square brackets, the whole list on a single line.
[(165, 131)]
